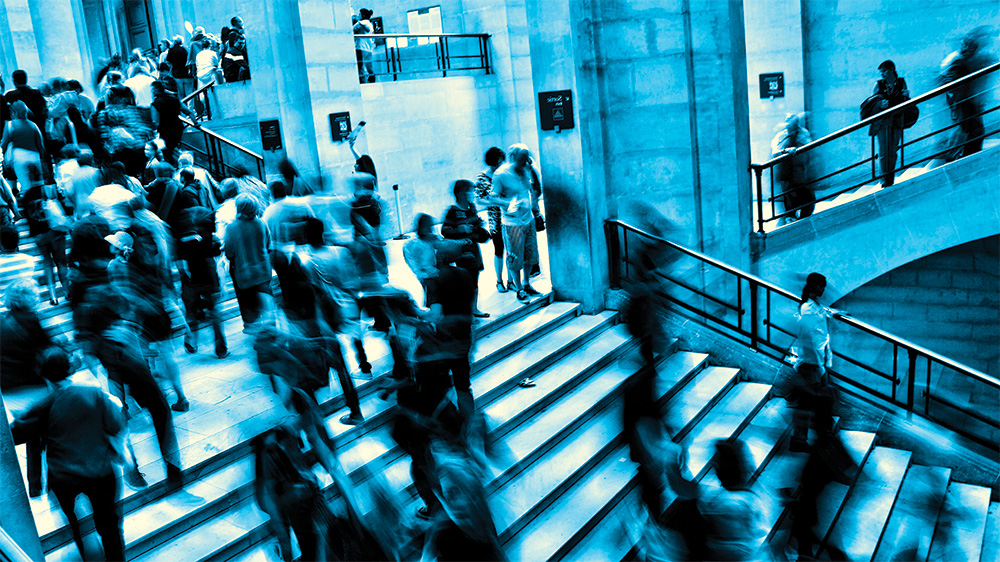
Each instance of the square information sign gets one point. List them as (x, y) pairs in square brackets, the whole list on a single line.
[(340, 126), (556, 110), (772, 85)]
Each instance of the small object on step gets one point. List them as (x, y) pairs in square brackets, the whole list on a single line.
[(526, 383), (481, 314), (190, 348)]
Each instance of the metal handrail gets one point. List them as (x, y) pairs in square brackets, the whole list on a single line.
[(757, 169), (761, 321), (418, 35), (198, 92), (10, 550), (396, 65), (213, 142), (882, 115)]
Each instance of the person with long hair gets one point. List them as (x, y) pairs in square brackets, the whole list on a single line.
[(22, 144)]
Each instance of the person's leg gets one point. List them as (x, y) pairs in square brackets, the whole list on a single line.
[(66, 490), (211, 298), (530, 256), (359, 54), (168, 366), (249, 302), (303, 523), (461, 371), (346, 382), (34, 448), (59, 259), (513, 238), (45, 249), (886, 154), (103, 494), (498, 250), (974, 129), (807, 198), (148, 395)]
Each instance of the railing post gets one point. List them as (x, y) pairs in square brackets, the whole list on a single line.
[(758, 172), (437, 55), (874, 173), (910, 383), (614, 255), (396, 64), (754, 320)]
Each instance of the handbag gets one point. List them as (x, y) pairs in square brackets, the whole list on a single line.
[(910, 116), (539, 223), (870, 107)]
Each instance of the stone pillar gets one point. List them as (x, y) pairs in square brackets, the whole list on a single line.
[(573, 174), (279, 80), (20, 32), (15, 513), (333, 86), (61, 39)]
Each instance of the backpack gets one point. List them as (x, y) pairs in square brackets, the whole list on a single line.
[(195, 233)]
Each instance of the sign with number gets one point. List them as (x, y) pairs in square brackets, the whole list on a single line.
[(556, 110), (340, 126), (270, 134), (772, 85)]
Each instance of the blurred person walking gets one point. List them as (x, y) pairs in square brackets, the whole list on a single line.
[(246, 245), (50, 235), (80, 423), (966, 102), (22, 144), (792, 174), (493, 158)]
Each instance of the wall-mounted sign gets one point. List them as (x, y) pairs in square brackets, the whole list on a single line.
[(772, 85), (340, 126), (270, 134), (556, 110)]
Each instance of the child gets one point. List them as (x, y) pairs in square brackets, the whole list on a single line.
[(420, 253), (462, 222)]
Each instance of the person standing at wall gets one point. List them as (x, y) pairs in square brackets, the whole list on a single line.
[(512, 193), (890, 91), (484, 184)]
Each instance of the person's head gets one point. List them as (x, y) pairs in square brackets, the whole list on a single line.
[(518, 155), (19, 78), (178, 41), (150, 150), (54, 365), (18, 110), (136, 55), (164, 44), (287, 170), (365, 165), (74, 86), (365, 13), (277, 189), (115, 77), (185, 159), (494, 157), (236, 22), (247, 207), (888, 70), (973, 41), (240, 171), (157, 88), (313, 231), (69, 152), (464, 191), (121, 244), (21, 295), (187, 175), (10, 238), (425, 225), (815, 286), (58, 85)]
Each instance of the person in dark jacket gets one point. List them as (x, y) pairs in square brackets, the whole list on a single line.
[(462, 222), (80, 423), (165, 115), (198, 248), (31, 98), (891, 88)]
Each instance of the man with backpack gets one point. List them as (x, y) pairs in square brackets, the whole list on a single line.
[(197, 248)]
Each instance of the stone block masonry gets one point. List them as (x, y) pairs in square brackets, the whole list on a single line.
[(948, 302)]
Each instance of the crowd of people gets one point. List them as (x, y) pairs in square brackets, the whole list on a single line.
[(794, 191)]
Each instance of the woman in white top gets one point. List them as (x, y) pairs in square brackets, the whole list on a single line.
[(813, 357)]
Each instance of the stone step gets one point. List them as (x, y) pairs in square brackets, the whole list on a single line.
[(991, 541), (232, 440), (865, 512), (907, 535), (726, 418), (961, 525)]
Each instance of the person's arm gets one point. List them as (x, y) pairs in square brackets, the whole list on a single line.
[(114, 420), (154, 116), (451, 228), (33, 422), (353, 151), (5, 141), (187, 110), (498, 196)]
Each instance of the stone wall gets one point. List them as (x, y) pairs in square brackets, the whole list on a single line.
[(948, 302), (424, 134)]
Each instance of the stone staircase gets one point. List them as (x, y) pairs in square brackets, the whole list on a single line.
[(564, 487)]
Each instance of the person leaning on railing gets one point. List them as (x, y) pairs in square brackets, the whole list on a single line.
[(889, 91), (813, 357)]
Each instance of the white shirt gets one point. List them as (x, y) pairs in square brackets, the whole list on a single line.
[(142, 86), (813, 343)]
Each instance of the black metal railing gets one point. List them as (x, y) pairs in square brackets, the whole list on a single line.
[(220, 155), (926, 144), (408, 55), (869, 362), (202, 101)]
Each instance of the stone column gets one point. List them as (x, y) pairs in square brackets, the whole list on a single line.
[(15, 512), (61, 39), (279, 81), (572, 163), (19, 33)]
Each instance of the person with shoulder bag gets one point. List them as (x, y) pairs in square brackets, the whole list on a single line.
[(890, 90)]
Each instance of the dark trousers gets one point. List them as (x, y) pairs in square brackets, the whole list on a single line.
[(251, 300), (203, 300), (103, 493), (888, 143)]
